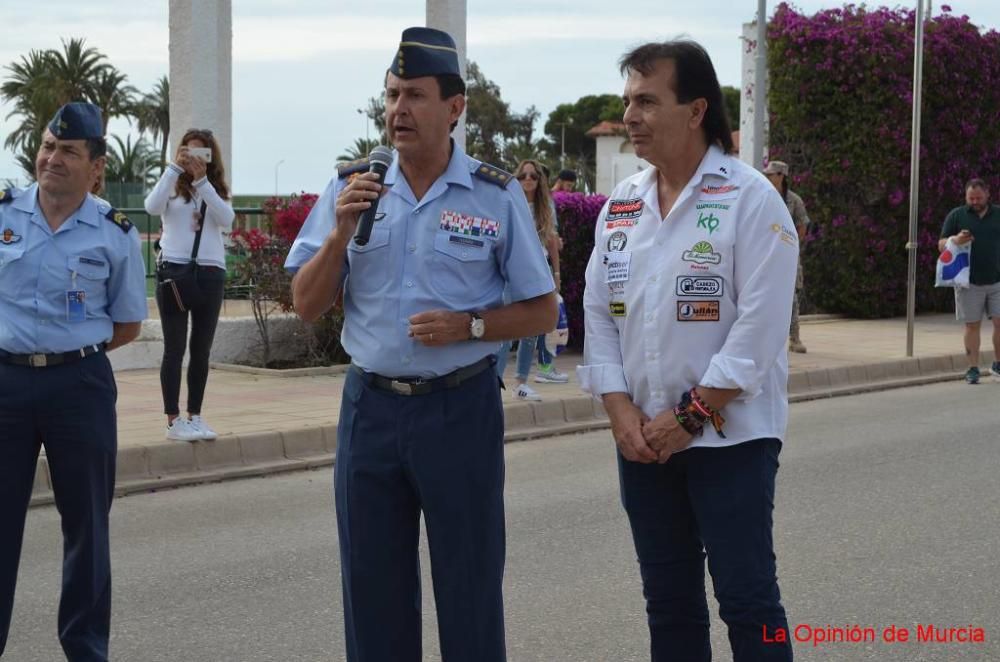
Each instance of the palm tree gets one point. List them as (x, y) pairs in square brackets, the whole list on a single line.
[(29, 89), (111, 93), (44, 80), (128, 162), (359, 150), (153, 113), (75, 70)]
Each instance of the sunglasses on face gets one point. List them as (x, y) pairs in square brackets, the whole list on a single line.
[(533, 176)]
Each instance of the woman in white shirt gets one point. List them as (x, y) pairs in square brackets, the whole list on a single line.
[(192, 193)]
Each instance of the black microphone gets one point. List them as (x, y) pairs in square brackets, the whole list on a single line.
[(380, 158)]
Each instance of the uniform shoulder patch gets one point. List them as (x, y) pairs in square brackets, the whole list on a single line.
[(119, 219), (351, 167), (493, 175), (6, 195)]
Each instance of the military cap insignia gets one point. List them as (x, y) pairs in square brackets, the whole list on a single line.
[(493, 175), (119, 219), (352, 167), (8, 237)]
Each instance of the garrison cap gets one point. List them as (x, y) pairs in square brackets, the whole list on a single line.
[(425, 52), (77, 120), (776, 168)]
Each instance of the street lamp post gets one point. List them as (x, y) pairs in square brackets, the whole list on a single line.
[(276, 166), (760, 86), (562, 147), (911, 244), (367, 122)]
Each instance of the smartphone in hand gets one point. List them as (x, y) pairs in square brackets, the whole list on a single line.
[(203, 153)]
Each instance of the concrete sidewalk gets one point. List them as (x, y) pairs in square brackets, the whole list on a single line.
[(270, 423)]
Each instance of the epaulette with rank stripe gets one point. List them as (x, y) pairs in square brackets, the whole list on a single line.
[(119, 219), (493, 175), (6, 195), (351, 167)]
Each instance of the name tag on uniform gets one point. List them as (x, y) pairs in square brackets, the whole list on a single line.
[(76, 306), (618, 263)]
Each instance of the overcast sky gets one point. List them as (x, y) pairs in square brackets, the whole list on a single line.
[(302, 67)]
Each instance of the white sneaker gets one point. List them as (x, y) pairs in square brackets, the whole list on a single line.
[(551, 376), (201, 427), (525, 392), (182, 430)]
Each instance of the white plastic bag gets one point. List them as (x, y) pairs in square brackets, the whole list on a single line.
[(953, 265), (557, 339)]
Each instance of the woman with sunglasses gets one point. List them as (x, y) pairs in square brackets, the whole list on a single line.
[(535, 185), (192, 194)]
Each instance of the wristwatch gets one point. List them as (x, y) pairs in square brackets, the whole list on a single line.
[(477, 326)]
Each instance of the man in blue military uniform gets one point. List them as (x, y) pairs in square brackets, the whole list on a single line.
[(72, 287), (421, 421)]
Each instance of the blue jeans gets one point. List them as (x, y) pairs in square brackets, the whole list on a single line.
[(544, 355), (525, 355), (719, 501)]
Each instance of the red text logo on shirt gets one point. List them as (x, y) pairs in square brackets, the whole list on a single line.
[(618, 209)]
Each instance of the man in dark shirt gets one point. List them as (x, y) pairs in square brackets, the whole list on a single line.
[(977, 221)]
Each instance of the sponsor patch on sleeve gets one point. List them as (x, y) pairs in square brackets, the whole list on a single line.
[(789, 237), (617, 308), (697, 311)]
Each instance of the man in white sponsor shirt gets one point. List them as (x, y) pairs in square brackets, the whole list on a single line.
[(687, 306)]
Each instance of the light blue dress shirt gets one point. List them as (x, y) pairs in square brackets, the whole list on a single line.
[(456, 249), (89, 252)]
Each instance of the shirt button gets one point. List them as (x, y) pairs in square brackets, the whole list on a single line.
[(416, 211), (412, 248), (465, 253), (409, 283), (406, 360), (649, 318)]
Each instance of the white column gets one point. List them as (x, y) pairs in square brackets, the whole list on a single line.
[(748, 95), (450, 16), (201, 78)]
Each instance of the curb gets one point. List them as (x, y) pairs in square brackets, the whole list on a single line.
[(173, 464)]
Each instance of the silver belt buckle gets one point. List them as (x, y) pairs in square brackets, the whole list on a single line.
[(401, 388), (37, 360)]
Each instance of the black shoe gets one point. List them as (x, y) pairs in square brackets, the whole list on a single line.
[(972, 375)]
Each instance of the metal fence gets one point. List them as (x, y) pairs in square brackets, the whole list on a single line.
[(148, 225)]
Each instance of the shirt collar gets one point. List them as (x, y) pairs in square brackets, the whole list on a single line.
[(458, 171), (86, 213), (714, 162)]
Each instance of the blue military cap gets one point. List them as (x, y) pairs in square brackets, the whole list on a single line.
[(425, 52), (77, 120)]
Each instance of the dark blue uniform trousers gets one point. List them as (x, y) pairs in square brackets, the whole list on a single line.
[(70, 409), (397, 456), (719, 501)]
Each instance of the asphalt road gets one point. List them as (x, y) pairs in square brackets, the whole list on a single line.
[(888, 512)]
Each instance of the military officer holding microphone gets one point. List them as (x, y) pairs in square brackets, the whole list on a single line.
[(421, 422)]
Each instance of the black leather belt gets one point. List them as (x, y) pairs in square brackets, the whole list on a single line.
[(420, 386), (49, 360)]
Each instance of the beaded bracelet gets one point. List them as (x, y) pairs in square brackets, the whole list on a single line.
[(690, 424), (696, 408)]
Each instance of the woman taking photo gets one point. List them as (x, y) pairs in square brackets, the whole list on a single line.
[(191, 196), (536, 188)]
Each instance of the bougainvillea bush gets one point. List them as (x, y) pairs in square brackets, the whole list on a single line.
[(577, 216), (261, 270), (841, 87)]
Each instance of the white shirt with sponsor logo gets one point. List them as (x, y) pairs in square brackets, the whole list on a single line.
[(701, 297)]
